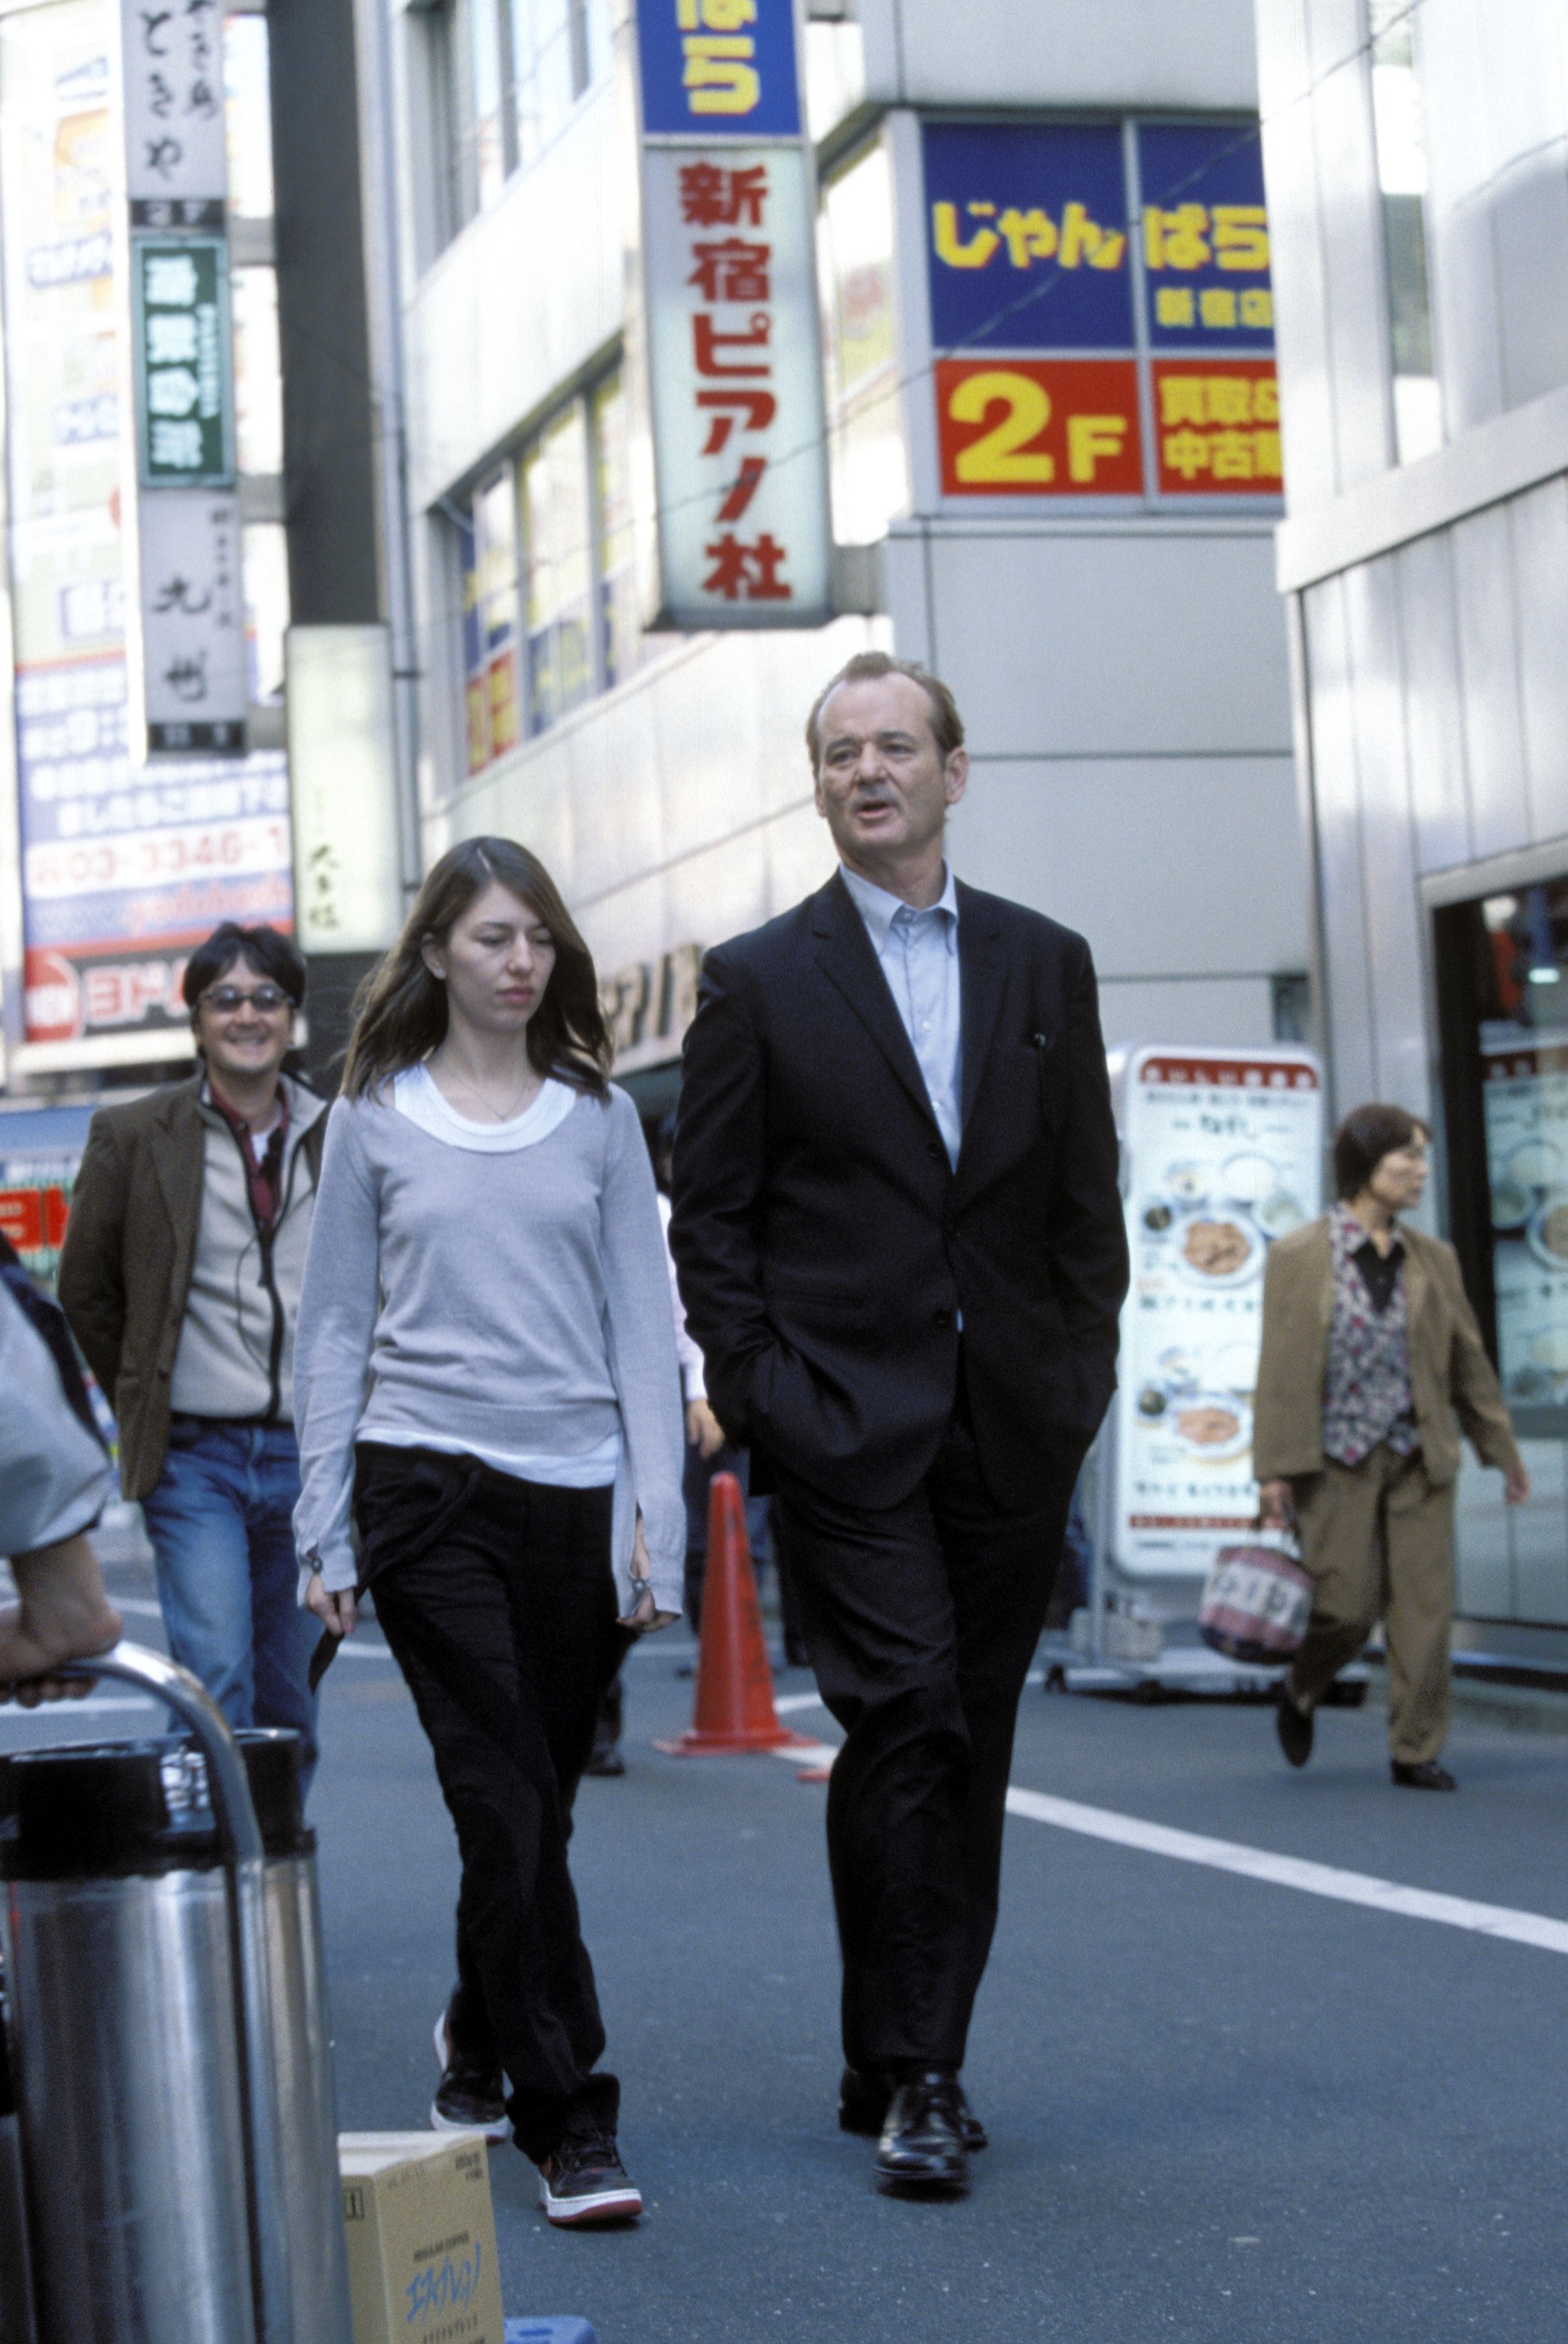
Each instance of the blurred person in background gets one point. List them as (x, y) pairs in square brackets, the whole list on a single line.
[(489, 1396), (55, 1478), (180, 1277), (1370, 1352)]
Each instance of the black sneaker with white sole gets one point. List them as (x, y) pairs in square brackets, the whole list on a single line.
[(585, 2182), (470, 2096)]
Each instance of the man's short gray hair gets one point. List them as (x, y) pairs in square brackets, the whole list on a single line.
[(867, 667)]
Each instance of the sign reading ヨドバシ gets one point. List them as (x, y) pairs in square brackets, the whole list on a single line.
[(1101, 310), (733, 359)]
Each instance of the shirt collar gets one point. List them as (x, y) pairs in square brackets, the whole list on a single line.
[(879, 909), (1352, 1238)]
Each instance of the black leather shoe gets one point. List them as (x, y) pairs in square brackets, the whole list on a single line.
[(1426, 1774), (862, 2100), (921, 2147), (1294, 1727)]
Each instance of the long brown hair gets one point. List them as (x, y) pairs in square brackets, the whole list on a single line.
[(400, 1009)]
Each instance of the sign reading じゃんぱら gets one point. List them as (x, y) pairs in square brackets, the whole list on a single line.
[(1101, 310), (734, 372)]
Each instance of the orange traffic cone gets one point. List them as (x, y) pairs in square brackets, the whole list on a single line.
[(734, 1706)]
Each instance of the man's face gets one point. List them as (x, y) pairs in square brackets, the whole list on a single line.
[(244, 1024), (881, 783)]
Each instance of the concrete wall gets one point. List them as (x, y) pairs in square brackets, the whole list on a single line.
[(1432, 600)]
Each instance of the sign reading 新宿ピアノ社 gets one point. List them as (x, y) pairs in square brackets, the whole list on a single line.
[(712, 68), (1027, 237), (1204, 235)]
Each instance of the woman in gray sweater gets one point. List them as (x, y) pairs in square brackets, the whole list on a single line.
[(486, 1390)]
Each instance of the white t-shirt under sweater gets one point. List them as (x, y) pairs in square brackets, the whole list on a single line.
[(496, 1290)]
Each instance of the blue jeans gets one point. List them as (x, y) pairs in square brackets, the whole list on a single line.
[(221, 1524)]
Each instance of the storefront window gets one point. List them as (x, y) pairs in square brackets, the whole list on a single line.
[(870, 466), (559, 571), (1502, 984), (490, 613)]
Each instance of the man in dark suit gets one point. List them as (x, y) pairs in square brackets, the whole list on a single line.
[(901, 1249)]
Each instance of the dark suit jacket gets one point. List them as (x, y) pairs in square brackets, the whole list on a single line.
[(130, 1242), (826, 1247)]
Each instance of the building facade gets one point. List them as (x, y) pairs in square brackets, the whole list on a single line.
[(1417, 170), (1053, 457)]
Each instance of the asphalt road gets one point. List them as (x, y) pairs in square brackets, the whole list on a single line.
[(1219, 2106)]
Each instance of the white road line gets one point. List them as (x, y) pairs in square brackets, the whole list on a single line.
[(1293, 1872), (788, 1702), (1250, 1863)]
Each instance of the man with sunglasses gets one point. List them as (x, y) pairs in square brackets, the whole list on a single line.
[(180, 1278)]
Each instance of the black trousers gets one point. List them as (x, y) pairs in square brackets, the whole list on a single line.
[(497, 1598), (921, 1622)]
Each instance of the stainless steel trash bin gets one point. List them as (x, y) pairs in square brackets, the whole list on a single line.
[(168, 2034)]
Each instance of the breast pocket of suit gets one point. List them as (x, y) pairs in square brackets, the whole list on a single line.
[(1026, 1095)]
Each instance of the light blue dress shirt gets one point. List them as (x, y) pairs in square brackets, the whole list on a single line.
[(918, 952)]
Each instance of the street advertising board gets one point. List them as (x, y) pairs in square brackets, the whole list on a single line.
[(1524, 1109), (731, 320), (1101, 310), (127, 860), (1224, 1156)]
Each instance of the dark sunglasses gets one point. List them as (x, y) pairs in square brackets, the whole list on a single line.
[(226, 998)]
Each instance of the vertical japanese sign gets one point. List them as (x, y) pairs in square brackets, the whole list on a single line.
[(175, 140), (734, 361), (1224, 1157), (125, 863), (183, 362), (1088, 280)]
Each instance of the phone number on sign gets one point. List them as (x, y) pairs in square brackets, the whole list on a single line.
[(146, 858)]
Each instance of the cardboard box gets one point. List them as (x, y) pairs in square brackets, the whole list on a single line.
[(421, 2229)]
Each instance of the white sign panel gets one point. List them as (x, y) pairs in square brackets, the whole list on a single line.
[(1224, 1156), (736, 379), (342, 771), (193, 620), (177, 156)]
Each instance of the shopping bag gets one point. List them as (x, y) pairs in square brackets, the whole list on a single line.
[(1256, 1604)]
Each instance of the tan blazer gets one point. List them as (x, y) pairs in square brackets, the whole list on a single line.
[(130, 1241), (1450, 1374)]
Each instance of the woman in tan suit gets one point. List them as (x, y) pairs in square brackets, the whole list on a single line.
[(1370, 1351)]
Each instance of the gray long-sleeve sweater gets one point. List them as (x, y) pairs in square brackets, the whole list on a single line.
[(519, 1298)]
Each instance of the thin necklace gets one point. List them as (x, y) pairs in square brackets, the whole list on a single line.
[(466, 1083)]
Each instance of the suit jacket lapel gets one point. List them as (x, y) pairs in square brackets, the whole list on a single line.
[(1417, 1287), (847, 957), (982, 975)]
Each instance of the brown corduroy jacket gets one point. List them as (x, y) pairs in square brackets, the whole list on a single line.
[(1450, 1374), (130, 1241)]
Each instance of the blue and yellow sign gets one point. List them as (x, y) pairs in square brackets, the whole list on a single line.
[(1205, 236), (1027, 236), (718, 68)]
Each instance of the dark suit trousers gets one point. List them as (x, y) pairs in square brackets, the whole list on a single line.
[(921, 1622)]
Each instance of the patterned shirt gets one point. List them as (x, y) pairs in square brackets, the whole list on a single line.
[(1367, 1389)]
